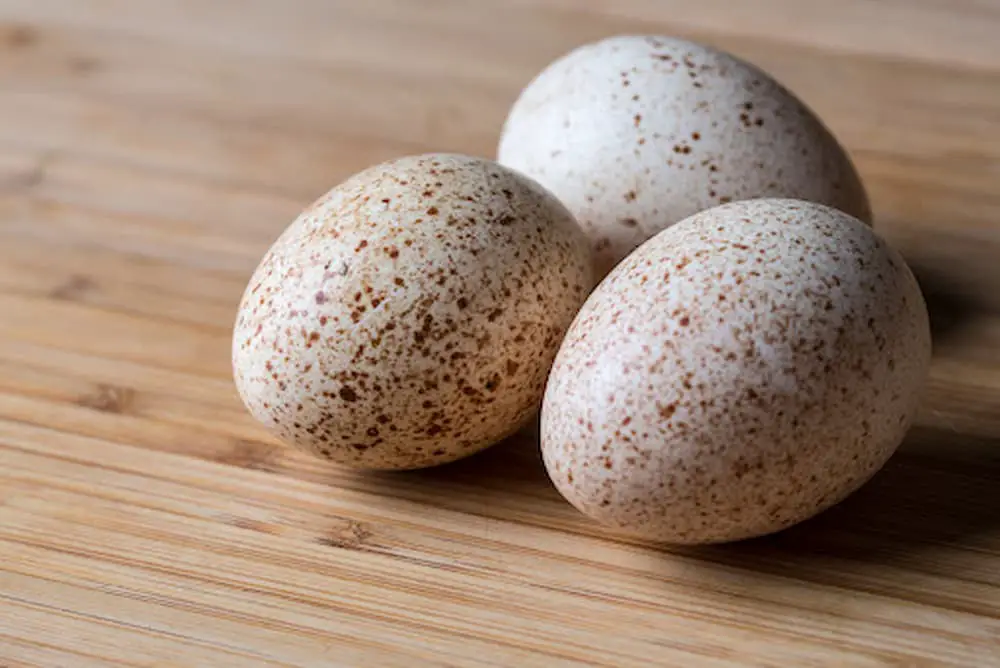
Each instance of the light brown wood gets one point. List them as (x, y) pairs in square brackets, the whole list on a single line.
[(151, 150)]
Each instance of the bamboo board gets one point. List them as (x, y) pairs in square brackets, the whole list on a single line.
[(151, 151)]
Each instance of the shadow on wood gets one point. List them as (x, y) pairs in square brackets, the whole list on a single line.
[(513, 466), (941, 488), (946, 495), (505, 482), (948, 306)]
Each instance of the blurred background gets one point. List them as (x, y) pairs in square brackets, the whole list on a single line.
[(214, 114), (151, 150)]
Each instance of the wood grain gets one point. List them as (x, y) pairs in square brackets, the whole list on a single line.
[(151, 150)]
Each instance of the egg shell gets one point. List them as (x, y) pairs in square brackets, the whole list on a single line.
[(738, 373), (410, 316), (635, 133)]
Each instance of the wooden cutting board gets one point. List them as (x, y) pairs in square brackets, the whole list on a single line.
[(152, 150)]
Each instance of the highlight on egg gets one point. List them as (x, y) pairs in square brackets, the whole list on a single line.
[(410, 316), (738, 373), (635, 133)]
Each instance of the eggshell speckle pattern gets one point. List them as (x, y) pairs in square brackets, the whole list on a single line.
[(738, 373), (635, 133), (410, 316)]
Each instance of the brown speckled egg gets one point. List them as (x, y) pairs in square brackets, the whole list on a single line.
[(636, 133), (738, 373), (410, 316)]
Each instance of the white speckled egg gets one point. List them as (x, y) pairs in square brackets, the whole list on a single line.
[(410, 316), (738, 373), (636, 133)]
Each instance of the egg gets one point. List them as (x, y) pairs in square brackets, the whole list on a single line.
[(738, 373), (635, 133), (409, 317)]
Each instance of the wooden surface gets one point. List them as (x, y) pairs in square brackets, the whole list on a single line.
[(151, 151)]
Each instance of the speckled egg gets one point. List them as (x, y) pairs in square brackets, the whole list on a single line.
[(636, 133), (738, 373), (410, 316)]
